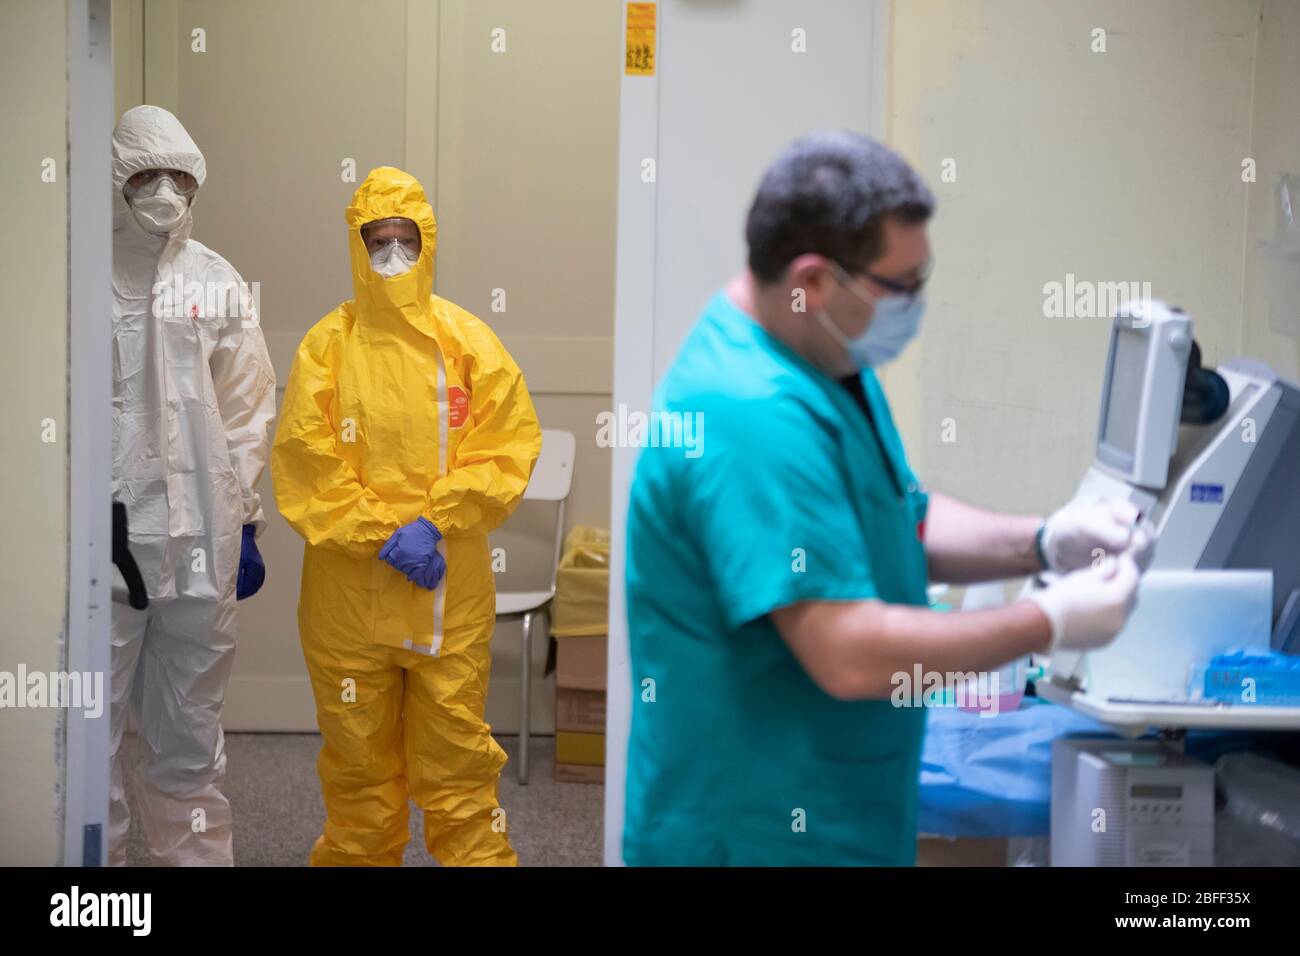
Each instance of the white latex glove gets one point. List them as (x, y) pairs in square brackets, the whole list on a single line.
[(1088, 607), (1142, 546), (1073, 536)]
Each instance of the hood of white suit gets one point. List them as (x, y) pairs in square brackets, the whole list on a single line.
[(149, 137)]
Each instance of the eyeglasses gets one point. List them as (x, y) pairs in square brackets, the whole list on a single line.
[(851, 282), (899, 288), (185, 184)]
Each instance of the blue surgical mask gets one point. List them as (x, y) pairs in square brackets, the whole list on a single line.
[(895, 322)]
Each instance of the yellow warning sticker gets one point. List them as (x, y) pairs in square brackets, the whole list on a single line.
[(639, 57)]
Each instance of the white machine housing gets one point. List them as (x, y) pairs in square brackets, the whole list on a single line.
[(1130, 803), (1231, 496), (1221, 496), (1142, 392)]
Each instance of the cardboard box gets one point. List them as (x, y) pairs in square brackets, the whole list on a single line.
[(572, 773), (961, 851), (580, 710), (581, 662), (586, 750)]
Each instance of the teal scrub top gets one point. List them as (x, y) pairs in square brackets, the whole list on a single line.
[(736, 757)]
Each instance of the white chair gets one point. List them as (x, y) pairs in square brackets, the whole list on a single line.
[(551, 481)]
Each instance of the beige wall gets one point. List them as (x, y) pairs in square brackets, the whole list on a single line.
[(33, 370), (527, 142), (516, 151), (128, 54), (1115, 166), (1275, 146), (526, 180)]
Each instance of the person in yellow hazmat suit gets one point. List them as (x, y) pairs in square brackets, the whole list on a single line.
[(406, 435)]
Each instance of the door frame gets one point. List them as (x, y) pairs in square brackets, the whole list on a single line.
[(90, 400)]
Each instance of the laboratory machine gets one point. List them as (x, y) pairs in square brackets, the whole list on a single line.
[(1211, 457), (1130, 803)]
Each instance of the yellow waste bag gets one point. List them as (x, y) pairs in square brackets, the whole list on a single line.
[(581, 606)]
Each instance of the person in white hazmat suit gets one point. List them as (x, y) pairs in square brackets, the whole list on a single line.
[(193, 400)]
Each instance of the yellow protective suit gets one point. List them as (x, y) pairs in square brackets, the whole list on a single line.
[(401, 404)]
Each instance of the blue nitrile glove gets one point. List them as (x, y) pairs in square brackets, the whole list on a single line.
[(252, 569), (412, 547), (429, 576)]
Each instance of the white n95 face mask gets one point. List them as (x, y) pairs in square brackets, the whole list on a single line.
[(392, 260), (894, 323), (161, 211)]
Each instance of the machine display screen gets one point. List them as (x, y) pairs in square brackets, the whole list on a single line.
[(1125, 399), (1152, 791)]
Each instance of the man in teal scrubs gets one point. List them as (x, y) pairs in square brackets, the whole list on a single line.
[(777, 569)]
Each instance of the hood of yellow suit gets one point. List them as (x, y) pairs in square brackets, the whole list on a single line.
[(387, 193)]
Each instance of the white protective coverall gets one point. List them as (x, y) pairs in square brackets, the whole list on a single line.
[(193, 400)]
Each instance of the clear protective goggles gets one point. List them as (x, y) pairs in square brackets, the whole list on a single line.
[(146, 180), (378, 234)]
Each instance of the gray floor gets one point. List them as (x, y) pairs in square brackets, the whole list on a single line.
[(275, 796)]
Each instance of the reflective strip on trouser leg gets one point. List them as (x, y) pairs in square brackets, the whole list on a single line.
[(452, 762), (187, 656)]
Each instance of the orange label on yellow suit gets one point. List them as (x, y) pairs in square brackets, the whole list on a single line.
[(639, 52), (457, 406)]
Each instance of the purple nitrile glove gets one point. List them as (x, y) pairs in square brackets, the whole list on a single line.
[(412, 548), (252, 569), (429, 576)]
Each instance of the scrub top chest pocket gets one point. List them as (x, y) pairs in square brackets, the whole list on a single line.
[(892, 507)]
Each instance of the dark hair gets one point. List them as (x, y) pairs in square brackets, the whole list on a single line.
[(829, 193)]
